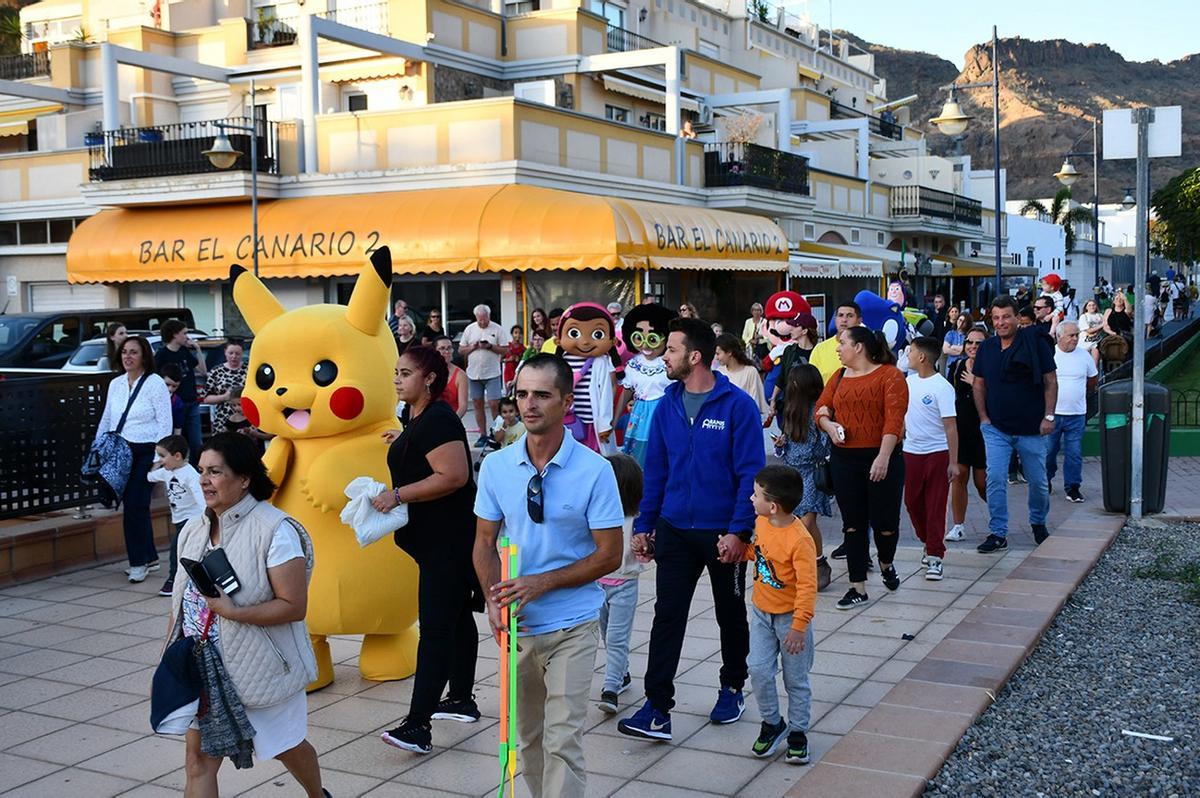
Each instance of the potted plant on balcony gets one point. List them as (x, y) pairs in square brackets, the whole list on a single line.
[(740, 131), (266, 26)]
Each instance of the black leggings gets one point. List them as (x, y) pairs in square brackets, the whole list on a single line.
[(447, 593), (867, 505)]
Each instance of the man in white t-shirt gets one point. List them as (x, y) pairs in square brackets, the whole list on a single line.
[(1077, 375), (482, 344), (930, 451)]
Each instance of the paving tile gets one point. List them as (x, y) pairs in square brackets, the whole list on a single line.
[(775, 779), (907, 612), (840, 719), (39, 662), (324, 740), (146, 626), (72, 782), (732, 738), (869, 693), (150, 791), (12, 626), (868, 645), (68, 592), (136, 682), (969, 674), (230, 780), (920, 758), (855, 666), (703, 770), (17, 770), (456, 771), (370, 756), (15, 605), (144, 760), (73, 744), (336, 781), (133, 718), (646, 789), (94, 670), (914, 723), (19, 727), (357, 714), (55, 613), (837, 781), (622, 756), (85, 704), (883, 627), (393, 789), (832, 688), (947, 697), (994, 633), (892, 671), (24, 693), (94, 645)]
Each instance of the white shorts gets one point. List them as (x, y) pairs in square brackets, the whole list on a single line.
[(277, 728)]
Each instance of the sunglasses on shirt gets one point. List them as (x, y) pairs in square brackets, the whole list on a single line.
[(535, 499)]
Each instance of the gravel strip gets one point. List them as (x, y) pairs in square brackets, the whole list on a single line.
[(1122, 655)]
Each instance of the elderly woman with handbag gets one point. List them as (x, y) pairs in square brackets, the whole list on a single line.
[(245, 597), (138, 412)]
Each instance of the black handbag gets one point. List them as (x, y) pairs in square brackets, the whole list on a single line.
[(823, 472)]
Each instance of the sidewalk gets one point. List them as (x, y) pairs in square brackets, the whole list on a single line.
[(77, 651)]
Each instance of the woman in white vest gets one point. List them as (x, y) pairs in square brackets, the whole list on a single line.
[(259, 630)]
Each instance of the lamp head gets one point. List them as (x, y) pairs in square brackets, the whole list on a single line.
[(952, 120), (1129, 200), (1068, 174), (222, 155)]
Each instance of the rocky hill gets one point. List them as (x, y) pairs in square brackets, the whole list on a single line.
[(1049, 92)]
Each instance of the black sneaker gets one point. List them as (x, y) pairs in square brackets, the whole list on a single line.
[(769, 738), (608, 702), (797, 750), (839, 553), (852, 599), (1040, 533), (463, 710), (1074, 495), (167, 589), (891, 579), (992, 543), (415, 737)]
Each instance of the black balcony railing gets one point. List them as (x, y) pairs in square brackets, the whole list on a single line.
[(908, 201), (737, 164), (272, 32), (624, 41), (884, 125), (25, 65), (177, 149)]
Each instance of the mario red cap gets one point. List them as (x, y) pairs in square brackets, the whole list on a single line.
[(786, 305), (1053, 281)]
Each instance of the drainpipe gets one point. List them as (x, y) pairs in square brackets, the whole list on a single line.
[(310, 90)]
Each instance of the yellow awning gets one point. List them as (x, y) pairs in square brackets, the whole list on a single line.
[(29, 112), (483, 228), (855, 262), (14, 128), (808, 72)]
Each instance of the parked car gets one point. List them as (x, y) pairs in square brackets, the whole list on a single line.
[(47, 340), (87, 357)]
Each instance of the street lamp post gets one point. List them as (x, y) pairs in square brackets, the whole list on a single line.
[(1068, 175), (223, 156), (952, 121)]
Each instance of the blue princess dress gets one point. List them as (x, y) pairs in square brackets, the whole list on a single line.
[(648, 380)]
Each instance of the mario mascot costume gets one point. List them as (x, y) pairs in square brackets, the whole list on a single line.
[(645, 332), (586, 340), (785, 314), (320, 381)]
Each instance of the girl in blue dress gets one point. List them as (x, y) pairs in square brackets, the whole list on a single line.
[(645, 331), (802, 445)]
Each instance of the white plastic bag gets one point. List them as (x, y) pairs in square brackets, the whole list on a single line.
[(369, 524)]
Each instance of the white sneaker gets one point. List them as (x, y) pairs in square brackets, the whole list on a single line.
[(138, 573), (150, 568), (933, 573), (957, 532)]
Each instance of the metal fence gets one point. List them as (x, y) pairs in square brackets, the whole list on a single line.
[(737, 164), (624, 41), (1157, 350), (909, 201), (885, 126), (47, 423), (25, 65), (1185, 407), (177, 149), (269, 31)]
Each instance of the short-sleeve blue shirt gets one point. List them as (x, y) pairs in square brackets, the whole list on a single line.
[(579, 495)]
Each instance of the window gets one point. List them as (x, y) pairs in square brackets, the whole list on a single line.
[(880, 237), (615, 113), (653, 121), (60, 230), (855, 235), (710, 49), (33, 232), (612, 12), (356, 102), (810, 231), (8, 234), (1029, 254), (515, 7)]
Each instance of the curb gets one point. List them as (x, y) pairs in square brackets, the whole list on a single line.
[(901, 743)]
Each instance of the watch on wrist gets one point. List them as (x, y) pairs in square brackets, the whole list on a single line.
[(1049, 416)]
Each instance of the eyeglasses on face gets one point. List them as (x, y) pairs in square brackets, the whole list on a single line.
[(535, 499), (974, 343), (648, 340)]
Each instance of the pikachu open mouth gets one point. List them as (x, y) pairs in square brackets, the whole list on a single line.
[(297, 419)]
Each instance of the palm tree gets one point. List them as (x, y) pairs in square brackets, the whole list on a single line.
[(1061, 213)]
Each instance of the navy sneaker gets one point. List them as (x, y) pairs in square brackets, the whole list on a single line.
[(647, 723), (729, 707), (992, 543)]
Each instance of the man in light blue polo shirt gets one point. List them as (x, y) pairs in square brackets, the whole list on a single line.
[(557, 501)]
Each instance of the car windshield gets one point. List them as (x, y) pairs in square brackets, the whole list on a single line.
[(13, 329), (88, 354)]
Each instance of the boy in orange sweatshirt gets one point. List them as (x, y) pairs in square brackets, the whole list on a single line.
[(785, 595)]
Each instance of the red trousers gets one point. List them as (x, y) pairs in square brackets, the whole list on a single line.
[(926, 487)]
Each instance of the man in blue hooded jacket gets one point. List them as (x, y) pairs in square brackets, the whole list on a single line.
[(705, 448)]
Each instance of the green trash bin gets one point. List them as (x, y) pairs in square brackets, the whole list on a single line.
[(1116, 445)]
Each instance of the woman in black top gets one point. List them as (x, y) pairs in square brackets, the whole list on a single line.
[(433, 329), (971, 453), (430, 465)]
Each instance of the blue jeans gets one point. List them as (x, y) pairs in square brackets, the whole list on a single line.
[(1032, 451), (616, 623), (191, 430), (767, 633), (1068, 434)]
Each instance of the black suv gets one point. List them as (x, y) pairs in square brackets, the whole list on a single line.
[(46, 340)]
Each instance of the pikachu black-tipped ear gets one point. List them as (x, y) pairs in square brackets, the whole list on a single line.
[(372, 290), (253, 299)]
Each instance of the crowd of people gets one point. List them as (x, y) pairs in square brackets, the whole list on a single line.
[(691, 491)]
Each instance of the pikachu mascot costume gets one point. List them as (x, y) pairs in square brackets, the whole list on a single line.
[(320, 380)]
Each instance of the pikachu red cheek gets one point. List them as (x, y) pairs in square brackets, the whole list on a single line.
[(346, 403), (250, 411)]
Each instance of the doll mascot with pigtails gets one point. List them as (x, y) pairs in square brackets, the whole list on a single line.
[(587, 341)]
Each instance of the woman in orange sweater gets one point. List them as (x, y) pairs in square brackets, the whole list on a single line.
[(862, 409)]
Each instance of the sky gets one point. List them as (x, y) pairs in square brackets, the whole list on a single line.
[(1140, 31)]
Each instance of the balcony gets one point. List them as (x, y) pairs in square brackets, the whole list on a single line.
[(624, 41), (885, 126), (167, 150), (372, 17), (736, 164), (270, 31), (25, 65), (919, 201)]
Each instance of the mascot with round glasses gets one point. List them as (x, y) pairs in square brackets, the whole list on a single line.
[(645, 332)]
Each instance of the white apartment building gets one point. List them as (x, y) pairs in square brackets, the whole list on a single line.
[(522, 153)]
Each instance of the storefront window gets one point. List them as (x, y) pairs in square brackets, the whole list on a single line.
[(420, 296), (461, 298), (553, 289)]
